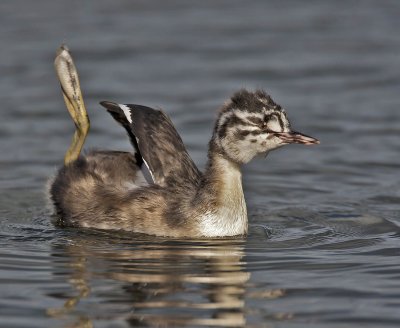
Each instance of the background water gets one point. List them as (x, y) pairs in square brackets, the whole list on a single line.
[(323, 249)]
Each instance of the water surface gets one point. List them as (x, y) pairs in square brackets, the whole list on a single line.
[(323, 248)]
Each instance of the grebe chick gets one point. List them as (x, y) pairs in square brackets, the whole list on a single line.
[(107, 189)]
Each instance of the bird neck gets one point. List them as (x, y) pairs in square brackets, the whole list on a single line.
[(222, 191), (223, 174)]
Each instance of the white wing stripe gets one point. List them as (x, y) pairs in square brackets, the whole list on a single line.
[(127, 112)]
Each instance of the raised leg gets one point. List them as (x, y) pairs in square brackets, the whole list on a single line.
[(71, 90)]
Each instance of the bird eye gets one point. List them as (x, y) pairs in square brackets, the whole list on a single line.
[(270, 119), (266, 119), (272, 123)]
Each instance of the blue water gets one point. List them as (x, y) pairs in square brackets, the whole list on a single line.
[(323, 248)]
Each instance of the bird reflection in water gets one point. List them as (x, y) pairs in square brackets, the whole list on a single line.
[(157, 282)]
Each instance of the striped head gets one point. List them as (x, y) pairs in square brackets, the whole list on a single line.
[(250, 124)]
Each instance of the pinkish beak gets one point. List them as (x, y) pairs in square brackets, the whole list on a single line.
[(296, 137)]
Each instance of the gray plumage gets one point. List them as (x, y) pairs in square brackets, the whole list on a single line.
[(154, 137)]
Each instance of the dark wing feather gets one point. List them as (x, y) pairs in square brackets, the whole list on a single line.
[(154, 136)]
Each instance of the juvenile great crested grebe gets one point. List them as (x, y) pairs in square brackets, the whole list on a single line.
[(108, 189)]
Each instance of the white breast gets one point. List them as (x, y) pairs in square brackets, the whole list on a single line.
[(223, 224)]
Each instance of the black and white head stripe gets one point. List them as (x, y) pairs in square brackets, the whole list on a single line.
[(252, 113), (252, 101), (248, 125)]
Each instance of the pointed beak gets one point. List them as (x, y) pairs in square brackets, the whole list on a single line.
[(296, 137)]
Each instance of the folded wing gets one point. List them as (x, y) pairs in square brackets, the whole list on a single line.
[(154, 137)]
